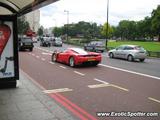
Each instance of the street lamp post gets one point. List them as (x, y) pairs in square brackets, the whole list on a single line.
[(67, 21), (107, 23)]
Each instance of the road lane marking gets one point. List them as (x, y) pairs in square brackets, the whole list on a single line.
[(153, 99), (106, 84), (133, 72), (46, 53), (100, 81), (76, 107), (79, 73), (98, 85), (33, 54), (121, 88), (52, 63), (63, 67), (37, 56), (29, 53), (58, 90), (44, 49), (68, 106), (43, 59)]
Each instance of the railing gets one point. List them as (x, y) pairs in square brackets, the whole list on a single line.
[(153, 54)]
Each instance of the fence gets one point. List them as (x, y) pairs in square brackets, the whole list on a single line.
[(153, 54)]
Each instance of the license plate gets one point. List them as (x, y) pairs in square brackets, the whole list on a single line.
[(27, 43), (91, 59)]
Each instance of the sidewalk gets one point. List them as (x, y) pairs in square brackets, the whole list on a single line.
[(28, 102)]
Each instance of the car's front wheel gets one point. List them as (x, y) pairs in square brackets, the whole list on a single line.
[(54, 57), (111, 55), (71, 62), (130, 58)]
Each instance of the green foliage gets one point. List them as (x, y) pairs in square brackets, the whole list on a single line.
[(22, 25), (58, 31), (40, 31), (156, 21), (104, 31), (83, 29)]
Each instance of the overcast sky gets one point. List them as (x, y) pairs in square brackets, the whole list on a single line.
[(95, 11)]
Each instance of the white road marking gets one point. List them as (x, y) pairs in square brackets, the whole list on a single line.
[(46, 53), (98, 85), (29, 53), (106, 84), (58, 90), (79, 73), (33, 54), (44, 49), (63, 67), (153, 99), (52, 63), (121, 88), (120, 69), (101, 81), (37, 56), (43, 59)]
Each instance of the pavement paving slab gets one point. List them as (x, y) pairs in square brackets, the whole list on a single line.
[(28, 102)]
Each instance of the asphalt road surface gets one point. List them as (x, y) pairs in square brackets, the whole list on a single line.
[(113, 88)]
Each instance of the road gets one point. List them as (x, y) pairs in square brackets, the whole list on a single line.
[(88, 91)]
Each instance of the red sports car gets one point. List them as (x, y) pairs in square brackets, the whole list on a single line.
[(76, 56)]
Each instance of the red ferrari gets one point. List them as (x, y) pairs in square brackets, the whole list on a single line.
[(76, 56)]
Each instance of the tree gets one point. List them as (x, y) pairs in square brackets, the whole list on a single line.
[(156, 21), (104, 30), (40, 31), (22, 25), (58, 31)]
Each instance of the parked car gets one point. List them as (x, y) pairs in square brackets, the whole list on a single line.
[(76, 56), (45, 42), (26, 43), (95, 46), (57, 42), (129, 52)]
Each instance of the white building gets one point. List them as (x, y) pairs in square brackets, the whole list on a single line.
[(34, 20)]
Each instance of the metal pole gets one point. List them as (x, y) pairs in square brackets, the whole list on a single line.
[(107, 23), (67, 21)]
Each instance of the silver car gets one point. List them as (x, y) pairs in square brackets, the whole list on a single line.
[(129, 52), (57, 42)]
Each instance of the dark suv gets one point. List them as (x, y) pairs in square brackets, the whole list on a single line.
[(26, 43)]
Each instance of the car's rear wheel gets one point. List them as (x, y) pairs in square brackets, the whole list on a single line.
[(111, 55), (95, 64), (31, 49), (54, 57), (130, 58), (71, 62), (141, 60)]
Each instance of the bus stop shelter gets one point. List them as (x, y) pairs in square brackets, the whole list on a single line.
[(9, 11)]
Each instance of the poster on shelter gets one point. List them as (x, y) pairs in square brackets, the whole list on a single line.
[(6, 50)]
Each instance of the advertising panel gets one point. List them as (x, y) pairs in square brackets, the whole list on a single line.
[(8, 48)]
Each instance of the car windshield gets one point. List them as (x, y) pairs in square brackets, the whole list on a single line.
[(26, 40), (139, 48), (58, 39), (78, 50), (97, 43)]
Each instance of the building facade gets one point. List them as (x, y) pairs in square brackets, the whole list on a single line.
[(34, 20)]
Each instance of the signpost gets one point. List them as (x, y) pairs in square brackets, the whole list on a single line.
[(9, 69)]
